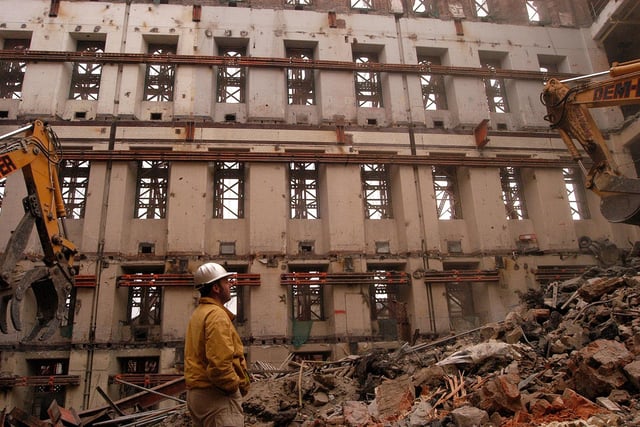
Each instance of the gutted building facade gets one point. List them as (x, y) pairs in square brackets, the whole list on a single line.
[(375, 171)]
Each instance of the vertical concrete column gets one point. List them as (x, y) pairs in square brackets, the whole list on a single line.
[(122, 192), (335, 89), (270, 303), (548, 207), (46, 84), (342, 208), (266, 207), (483, 209), (188, 212), (467, 97)]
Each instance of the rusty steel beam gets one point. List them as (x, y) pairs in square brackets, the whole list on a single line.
[(264, 62), (144, 399), (393, 159)]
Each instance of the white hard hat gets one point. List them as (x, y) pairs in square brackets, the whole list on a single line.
[(207, 273)]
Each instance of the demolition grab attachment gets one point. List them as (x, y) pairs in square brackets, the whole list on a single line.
[(37, 154)]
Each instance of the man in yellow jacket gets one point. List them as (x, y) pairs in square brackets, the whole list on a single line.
[(215, 370)]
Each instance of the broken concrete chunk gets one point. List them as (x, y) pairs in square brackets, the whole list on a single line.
[(632, 371), (469, 416)]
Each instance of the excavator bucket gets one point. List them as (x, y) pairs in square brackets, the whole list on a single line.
[(624, 208)]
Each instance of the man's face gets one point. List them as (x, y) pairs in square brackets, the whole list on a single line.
[(224, 290)]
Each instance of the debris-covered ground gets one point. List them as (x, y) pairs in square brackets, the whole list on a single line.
[(569, 356)]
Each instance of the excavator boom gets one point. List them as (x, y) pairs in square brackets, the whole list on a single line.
[(568, 111), (37, 154)]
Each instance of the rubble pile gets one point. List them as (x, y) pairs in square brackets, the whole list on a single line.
[(568, 355)]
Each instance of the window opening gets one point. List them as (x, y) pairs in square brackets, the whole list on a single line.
[(85, 77), (307, 299), (303, 181), (12, 72), (495, 90), (299, 2), (462, 315), (368, 84), (231, 78), (512, 193), (74, 180), (596, 7), (362, 4), (151, 192), (422, 6), (300, 81), (433, 90), (375, 186), (236, 304), (44, 395), (137, 365), (532, 11), (549, 68), (144, 307), (576, 194), (482, 8), (228, 190), (3, 187), (384, 297), (159, 80), (70, 306), (445, 186)]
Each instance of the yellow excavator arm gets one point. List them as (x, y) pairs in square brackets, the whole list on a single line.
[(568, 111), (37, 154)]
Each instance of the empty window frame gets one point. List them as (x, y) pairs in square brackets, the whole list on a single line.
[(303, 190), (300, 81), (383, 297), (512, 193), (361, 4), (12, 72), (85, 77), (74, 180), (160, 78), (434, 96), (70, 306), (495, 90), (137, 365), (445, 186), (144, 305), (576, 194), (44, 395), (549, 68), (482, 8), (368, 84), (422, 6), (231, 78), (151, 191), (375, 187), (228, 190), (460, 303), (299, 2), (596, 7), (237, 303), (3, 187), (533, 11), (307, 300)]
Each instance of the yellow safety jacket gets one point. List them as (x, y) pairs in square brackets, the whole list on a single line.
[(213, 351)]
